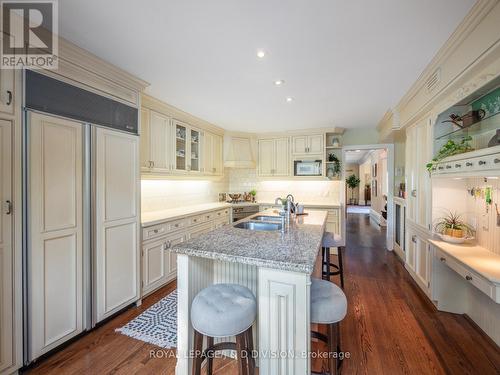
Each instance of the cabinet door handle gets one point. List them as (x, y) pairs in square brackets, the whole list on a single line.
[(9, 100), (468, 278), (8, 207), (496, 161), (458, 165), (482, 162), (442, 259), (468, 164), (414, 239), (448, 167)]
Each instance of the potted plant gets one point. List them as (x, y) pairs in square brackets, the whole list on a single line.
[(451, 148), (452, 225), (253, 193), (336, 163), (352, 182)]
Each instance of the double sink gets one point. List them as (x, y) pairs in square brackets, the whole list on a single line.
[(261, 223)]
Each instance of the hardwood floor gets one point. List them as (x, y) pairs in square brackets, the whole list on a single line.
[(390, 327)]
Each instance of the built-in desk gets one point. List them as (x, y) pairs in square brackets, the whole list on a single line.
[(475, 264)]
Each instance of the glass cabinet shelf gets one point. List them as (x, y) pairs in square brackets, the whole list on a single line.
[(484, 125)]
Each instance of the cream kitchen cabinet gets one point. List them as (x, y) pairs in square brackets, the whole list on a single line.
[(159, 264), (274, 157), (419, 259), (7, 90), (187, 148), (418, 153), (308, 144), (212, 154), (6, 258), (156, 145)]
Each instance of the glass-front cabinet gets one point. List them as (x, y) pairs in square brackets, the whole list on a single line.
[(187, 146)]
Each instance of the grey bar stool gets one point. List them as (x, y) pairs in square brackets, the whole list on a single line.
[(224, 310), (328, 306), (332, 240)]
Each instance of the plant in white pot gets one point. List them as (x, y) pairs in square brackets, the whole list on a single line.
[(452, 225)]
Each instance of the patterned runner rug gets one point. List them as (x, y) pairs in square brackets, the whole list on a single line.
[(157, 325)]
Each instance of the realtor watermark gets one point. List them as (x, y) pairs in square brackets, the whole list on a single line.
[(30, 34)]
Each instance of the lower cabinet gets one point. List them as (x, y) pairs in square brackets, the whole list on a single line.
[(419, 259), (159, 264)]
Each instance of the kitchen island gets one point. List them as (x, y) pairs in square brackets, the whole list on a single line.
[(277, 267)]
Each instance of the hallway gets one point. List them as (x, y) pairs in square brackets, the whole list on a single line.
[(391, 327)]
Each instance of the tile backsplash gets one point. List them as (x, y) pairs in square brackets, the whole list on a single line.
[(157, 195), (317, 191)]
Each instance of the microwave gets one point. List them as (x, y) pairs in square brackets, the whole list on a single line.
[(307, 168)]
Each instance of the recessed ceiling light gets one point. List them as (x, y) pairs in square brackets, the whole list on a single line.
[(279, 82), (261, 54), (289, 99)]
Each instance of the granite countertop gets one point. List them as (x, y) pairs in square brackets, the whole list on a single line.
[(295, 250), (477, 258), (156, 217)]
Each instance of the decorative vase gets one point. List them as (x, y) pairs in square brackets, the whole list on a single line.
[(335, 142), (495, 141)]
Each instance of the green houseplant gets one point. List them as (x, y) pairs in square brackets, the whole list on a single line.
[(452, 225), (451, 148), (352, 182), (336, 163)]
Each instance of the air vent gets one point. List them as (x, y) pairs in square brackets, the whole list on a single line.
[(433, 80)]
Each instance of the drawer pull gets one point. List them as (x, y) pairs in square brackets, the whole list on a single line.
[(442, 259), (155, 231), (482, 162), (195, 220), (208, 216), (458, 165), (440, 168), (448, 167), (496, 161), (468, 164), (176, 225), (218, 213), (468, 278)]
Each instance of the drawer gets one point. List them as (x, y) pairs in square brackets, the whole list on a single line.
[(198, 219), (154, 231), (221, 213), (172, 226), (472, 277)]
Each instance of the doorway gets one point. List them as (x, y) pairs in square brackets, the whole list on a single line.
[(369, 180)]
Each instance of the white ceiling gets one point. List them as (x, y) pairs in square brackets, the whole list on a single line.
[(353, 157), (344, 62)]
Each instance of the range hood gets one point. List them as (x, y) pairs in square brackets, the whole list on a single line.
[(239, 151)]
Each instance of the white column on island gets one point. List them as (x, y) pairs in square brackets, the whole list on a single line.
[(284, 322)]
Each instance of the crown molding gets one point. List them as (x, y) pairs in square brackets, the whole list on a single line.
[(478, 12), (82, 58), (169, 110)]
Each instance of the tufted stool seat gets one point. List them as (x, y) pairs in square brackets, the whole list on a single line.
[(224, 310), (332, 240), (328, 306)]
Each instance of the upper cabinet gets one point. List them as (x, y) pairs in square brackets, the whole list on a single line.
[(308, 144), (7, 90), (274, 157), (212, 154), (187, 141), (418, 153), (170, 147), (156, 150)]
